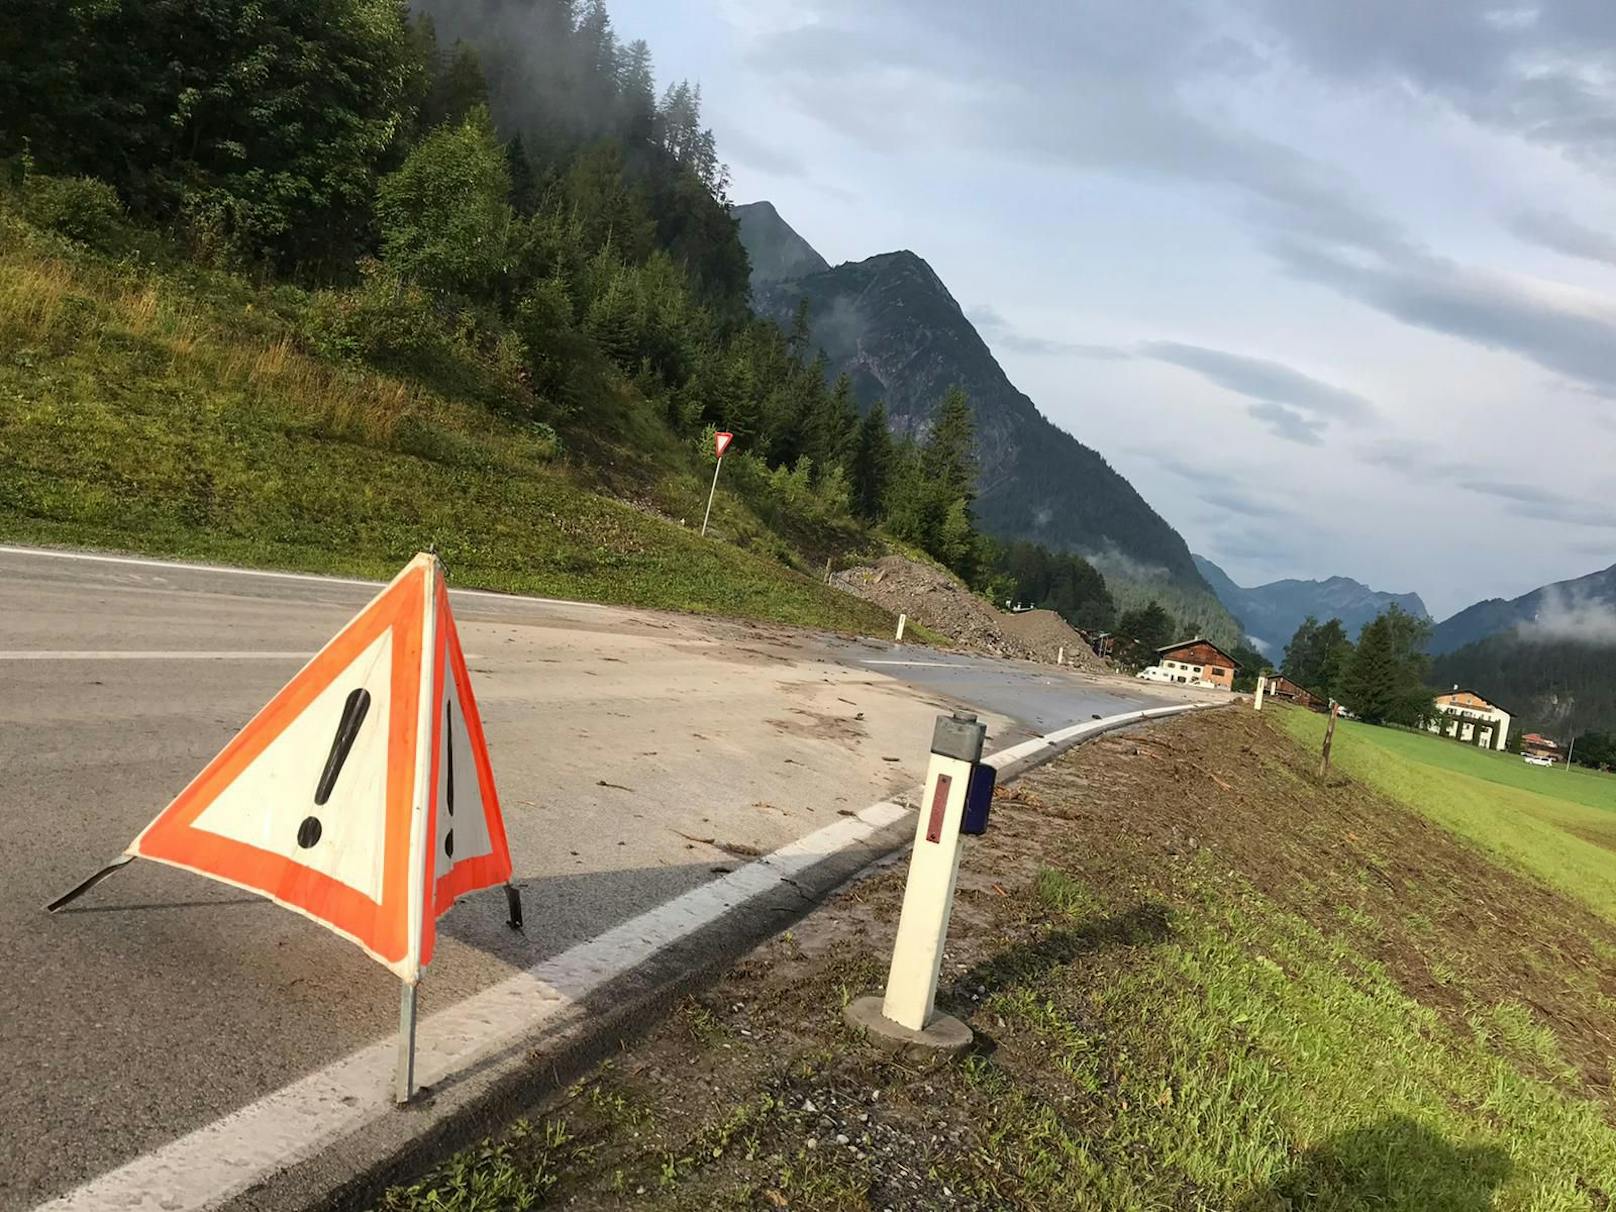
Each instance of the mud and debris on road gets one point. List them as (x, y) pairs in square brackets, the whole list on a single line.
[(1197, 977), (938, 599)]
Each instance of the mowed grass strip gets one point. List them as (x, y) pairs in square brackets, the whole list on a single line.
[(1559, 826), (1199, 979), (150, 414)]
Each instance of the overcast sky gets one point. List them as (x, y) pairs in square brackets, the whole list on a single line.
[(1332, 282)]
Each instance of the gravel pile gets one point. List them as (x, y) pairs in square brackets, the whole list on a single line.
[(941, 601), (1046, 633)]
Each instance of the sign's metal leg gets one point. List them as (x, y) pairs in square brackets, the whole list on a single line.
[(78, 890), (513, 902), (404, 1078)]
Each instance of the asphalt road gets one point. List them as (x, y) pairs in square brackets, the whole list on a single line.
[(637, 755)]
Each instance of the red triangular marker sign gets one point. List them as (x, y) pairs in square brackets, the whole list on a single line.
[(721, 441)]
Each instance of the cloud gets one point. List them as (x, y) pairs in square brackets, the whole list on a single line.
[(1543, 71), (1262, 379), (1563, 234), (997, 331), (1226, 493), (1530, 501), (1294, 406), (1418, 459), (1289, 424), (1119, 88), (1565, 615), (1234, 501), (1427, 462), (1102, 86), (766, 157), (1569, 334)]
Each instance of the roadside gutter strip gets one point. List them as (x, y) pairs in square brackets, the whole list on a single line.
[(334, 1137)]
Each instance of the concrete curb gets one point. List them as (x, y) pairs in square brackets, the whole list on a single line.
[(333, 1140)]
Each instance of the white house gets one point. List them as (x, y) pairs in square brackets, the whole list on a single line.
[(1466, 716)]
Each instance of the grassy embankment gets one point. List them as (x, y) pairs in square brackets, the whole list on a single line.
[(173, 411), (1199, 978), (1557, 824)]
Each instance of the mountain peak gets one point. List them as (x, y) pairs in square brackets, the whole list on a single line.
[(1271, 613), (891, 324), (777, 252)]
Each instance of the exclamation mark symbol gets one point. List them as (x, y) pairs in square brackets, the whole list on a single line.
[(353, 715), (448, 792)]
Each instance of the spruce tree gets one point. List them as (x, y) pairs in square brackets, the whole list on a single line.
[(949, 456), (872, 464)]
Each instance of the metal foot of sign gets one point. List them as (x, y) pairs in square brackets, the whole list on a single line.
[(78, 890)]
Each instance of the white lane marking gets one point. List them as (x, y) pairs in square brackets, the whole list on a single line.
[(178, 566), (220, 1159), (929, 664), (114, 655), (225, 1157)]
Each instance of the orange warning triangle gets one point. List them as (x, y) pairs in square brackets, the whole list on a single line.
[(466, 829), (361, 796)]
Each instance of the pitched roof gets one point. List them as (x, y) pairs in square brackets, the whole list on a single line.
[(1199, 640), (1491, 702)]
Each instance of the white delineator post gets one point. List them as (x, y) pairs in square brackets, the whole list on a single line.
[(1257, 701), (902, 620), (928, 898), (1060, 657)]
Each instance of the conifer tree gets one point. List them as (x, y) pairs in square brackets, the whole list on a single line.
[(872, 461)]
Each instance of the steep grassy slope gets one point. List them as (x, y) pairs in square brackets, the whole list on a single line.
[(177, 412)]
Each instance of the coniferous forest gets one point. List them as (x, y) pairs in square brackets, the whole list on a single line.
[(497, 201)]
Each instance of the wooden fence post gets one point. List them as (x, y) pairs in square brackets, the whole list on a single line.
[(1329, 738)]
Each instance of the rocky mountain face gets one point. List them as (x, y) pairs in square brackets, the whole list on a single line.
[(775, 250), (1271, 613), (890, 323)]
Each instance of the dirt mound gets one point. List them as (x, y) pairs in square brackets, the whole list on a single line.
[(1046, 633), (941, 601)]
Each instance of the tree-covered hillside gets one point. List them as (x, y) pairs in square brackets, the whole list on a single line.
[(1561, 687), (442, 224)]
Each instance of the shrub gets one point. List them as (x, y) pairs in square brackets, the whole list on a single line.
[(444, 218), (384, 321), (80, 208)]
